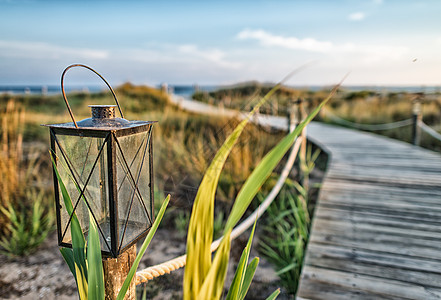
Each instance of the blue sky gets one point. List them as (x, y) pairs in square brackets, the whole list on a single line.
[(388, 42)]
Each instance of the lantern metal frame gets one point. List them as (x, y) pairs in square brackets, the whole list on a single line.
[(110, 141)]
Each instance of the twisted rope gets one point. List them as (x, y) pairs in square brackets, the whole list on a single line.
[(371, 127), (178, 262), (429, 130)]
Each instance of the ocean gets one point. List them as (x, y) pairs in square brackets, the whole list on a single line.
[(44, 89), (187, 90)]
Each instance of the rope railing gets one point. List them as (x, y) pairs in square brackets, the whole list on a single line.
[(371, 127), (429, 130), (179, 262), (416, 121)]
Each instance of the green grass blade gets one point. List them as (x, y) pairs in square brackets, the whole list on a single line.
[(36, 217), (200, 229), (286, 269), (249, 275), (81, 283), (142, 250), (95, 274), (78, 240), (234, 289), (254, 182), (144, 292), (274, 295), (238, 280), (67, 254), (214, 281), (64, 192)]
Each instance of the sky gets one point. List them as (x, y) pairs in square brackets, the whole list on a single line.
[(378, 42)]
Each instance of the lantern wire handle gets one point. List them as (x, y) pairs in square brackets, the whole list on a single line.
[(64, 93)]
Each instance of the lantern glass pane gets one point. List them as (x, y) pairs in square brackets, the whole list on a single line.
[(133, 186), (82, 164)]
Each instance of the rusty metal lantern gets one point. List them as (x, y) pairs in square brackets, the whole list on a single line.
[(106, 164)]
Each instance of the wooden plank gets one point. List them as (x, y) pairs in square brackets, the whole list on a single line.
[(369, 287), (349, 187), (409, 212), (374, 218), (381, 183), (391, 163), (354, 228), (383, 180), (318, 290), (375, 258), (334, 185), (386, 176), (380, 271), (363, 198), (413, 246), (431, 172)]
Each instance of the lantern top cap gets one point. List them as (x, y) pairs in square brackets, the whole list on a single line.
[(103, 116), (102, 105), (103, 111)]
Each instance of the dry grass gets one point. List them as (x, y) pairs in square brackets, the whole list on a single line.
[(24, 202), (185, 144), (11, 153)]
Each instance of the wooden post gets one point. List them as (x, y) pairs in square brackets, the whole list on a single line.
[(274, 108), (164, 88), (293, 118), (416, 117), (302, 116), (115, 272), (290, 116)]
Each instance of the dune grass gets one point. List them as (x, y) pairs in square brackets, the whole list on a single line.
[(26, 211), (286, 229)]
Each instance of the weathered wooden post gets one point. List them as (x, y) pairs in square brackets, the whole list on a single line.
[(107, 170), (292, 115), (296, 114), (164, 88), (302, 153), (274, 108), (416, 118), (116, 271)]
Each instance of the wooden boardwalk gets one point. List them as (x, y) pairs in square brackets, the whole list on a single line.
[(376, 232)]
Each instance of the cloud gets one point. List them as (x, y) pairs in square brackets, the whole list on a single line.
[(38, 50), (356, 16), (188, 56), (269, 39), (181, 54), (371, 52), (212, 55), (151, 54)]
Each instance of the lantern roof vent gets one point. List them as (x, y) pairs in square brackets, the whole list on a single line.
[(103, 116)]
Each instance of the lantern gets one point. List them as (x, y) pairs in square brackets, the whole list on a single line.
[(106, 164)]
